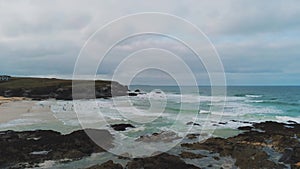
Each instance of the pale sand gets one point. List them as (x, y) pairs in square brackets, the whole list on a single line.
[(20, 108), (11, 99)]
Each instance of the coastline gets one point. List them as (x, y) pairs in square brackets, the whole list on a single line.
[(263, 145), (235, 142)]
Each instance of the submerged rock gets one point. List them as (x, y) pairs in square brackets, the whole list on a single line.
[(164, 136)]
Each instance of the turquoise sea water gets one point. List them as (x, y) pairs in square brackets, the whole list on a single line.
[(242, 104), (282, 102), (215, 116)]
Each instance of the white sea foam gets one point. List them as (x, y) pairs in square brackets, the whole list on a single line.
[(21, 122), (189, 98), (254, 101), (253, 96), (288, 118)]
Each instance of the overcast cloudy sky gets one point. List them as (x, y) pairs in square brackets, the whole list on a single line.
[(258, 41)]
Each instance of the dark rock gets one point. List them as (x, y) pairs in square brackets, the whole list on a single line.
[(192, 136), (125, 156), (287, 154), (164, 136), (107, 165), (245, 122), (248, 148), (290, 121), (34, 147), (223, 123), (216, 158), (132, 94), (121, 127), (190, 155), (162, 161), (192, 123), (245, 128), (137, 91)]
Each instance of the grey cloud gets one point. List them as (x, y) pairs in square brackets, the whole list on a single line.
[(253, 37)]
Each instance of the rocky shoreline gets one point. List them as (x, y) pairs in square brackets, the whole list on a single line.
[(28, 148), (263, 145)]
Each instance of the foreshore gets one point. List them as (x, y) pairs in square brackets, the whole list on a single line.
[(15, 108), (263, 145), (259, 145), (12, 108)]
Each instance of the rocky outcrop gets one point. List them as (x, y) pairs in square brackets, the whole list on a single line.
[(249, 148), (190, 155), (32, 147), (107, 165), (162, 161), (264, 145)]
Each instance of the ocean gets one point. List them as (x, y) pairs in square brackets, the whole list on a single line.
[(160, 109)]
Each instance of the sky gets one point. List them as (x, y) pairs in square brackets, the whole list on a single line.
[(258, 42)]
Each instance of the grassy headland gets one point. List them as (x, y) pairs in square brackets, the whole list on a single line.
[(44, 88)]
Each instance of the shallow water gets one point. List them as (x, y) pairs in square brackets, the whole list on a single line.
[(166, 111)]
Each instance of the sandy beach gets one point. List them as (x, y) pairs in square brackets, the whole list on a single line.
[(21, 108)]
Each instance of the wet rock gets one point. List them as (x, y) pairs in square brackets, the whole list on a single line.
[(107, 165), (245, 128), (125, 156), (34, 147), (245, 122), (216, 158), (192, 123), (192, 136), (222, 123), (190, 155), (164, 136), (248, 148), (286, 157), (162, 161), (132, 94), (121, 127)]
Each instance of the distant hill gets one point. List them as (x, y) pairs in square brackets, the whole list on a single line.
[(45, 88)]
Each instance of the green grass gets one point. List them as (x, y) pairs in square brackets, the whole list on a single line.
[(30, 83)]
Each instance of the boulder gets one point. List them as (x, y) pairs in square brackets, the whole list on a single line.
[(121, 127)]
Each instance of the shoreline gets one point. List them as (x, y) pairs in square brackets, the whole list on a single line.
[(13, 107), (22, 108), (246, 149), (276, 144)]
